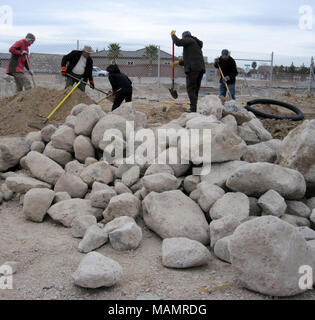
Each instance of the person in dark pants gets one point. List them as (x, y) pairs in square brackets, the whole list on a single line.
[(121, 85), (229, 70), (193, 63), (80, 65)]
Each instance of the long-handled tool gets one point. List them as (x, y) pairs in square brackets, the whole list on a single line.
[(61, 103), (71, 76), (173, 92), (110, 96), (30, 69), (227, 87)]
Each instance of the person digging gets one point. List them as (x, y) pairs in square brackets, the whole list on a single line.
[(229, 71), (19, 61), (121, 85), (193, 63), (77, 65)]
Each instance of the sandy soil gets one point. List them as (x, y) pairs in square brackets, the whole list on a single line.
[(47, 256)]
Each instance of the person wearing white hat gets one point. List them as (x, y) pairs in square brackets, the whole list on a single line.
[(78, 64), (19, 61)]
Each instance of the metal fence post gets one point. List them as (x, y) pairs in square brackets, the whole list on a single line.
[(78, 44), (159, 74), (311, 74), (271, 75)]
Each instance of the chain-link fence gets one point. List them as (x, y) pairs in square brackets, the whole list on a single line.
[(149, 68)]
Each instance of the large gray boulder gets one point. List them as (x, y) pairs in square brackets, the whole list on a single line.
[(12, 150), (71, 184), (66, 211), (262, 152), (231, 204), (80, 224), (222, 249), (122, 205), (100, 199), (110, 121), (221, 172), (237, 111), (297, 151), (131, 176), (183, 253), (126, 237), (96, 271), (296, 221), (299, 209), (43, 168), (47, 132), (21, 184), (258, 178), (160, 182), (222, 228), (97, 172), (172, 214), (267, 253), (60, 156), (36, 204), (210, 105), (63, 138), (208, 195), (74, 167), (83, 148), (272, 204), (85, 121), (94, 238)]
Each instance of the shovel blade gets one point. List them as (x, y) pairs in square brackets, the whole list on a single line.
[(173, 93)]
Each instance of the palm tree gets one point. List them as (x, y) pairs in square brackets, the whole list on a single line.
[(151, 53), (113, 52), (254, 65)]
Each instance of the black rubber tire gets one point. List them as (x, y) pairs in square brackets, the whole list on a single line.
[(299, 114)]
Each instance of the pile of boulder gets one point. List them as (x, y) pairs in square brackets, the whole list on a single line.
[(255, 208)]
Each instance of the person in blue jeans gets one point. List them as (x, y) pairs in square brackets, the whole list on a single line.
[(229, 70)]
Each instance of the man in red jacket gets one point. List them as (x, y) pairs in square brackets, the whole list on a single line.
[(19, 61)]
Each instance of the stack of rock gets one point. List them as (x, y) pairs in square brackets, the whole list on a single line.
[(255, 208)]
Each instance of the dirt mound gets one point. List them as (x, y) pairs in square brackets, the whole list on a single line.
[(34, 106)]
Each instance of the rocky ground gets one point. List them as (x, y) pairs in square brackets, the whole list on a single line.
[(259, 195)]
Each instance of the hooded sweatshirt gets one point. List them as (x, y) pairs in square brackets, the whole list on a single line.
[(192, 56), (18, 62), (117, 79)]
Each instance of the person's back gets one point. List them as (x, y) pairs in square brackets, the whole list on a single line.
[(121, 85), (192, 54), (118, 79)]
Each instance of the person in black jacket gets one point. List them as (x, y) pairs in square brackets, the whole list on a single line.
[(121, 85), (229, 70), (80, 65), (193, 63)]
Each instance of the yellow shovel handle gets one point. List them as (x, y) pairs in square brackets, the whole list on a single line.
[(61, 103), (227, 87)]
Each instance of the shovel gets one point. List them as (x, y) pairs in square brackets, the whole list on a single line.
[(227, 87), (173, 92), (29, 66)]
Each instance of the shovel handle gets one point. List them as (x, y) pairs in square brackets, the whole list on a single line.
[(173, 69)]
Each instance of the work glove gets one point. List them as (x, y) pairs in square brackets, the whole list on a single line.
[(174, 64), (217, 60), (173, 32), (24, 53), (31, 72), (63, 71), (227, 78), (92, 84)]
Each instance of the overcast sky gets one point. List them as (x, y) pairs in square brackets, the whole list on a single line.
[(250, 29)]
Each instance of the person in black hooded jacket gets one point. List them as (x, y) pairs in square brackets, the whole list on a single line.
[(193, 63), (121, 85)]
